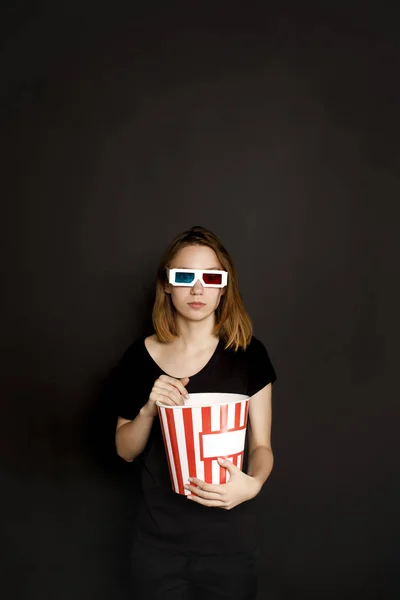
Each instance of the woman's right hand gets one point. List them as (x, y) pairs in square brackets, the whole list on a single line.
[(167, 390)]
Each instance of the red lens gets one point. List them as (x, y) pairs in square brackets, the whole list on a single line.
[(212, 278)]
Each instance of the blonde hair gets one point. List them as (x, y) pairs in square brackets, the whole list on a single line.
[(232, 322)]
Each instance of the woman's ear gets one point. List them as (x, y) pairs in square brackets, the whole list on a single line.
[(167, 288)]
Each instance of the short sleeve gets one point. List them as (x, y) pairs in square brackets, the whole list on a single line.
[(124, 387), (261, 371)]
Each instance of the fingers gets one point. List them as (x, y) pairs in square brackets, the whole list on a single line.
[(168, 391), (208, 495), (200, 493), (175, 383), (162, 396), (206, 498), (205, 490)]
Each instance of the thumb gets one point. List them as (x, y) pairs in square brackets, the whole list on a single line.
[(184, 380), (229, 466)]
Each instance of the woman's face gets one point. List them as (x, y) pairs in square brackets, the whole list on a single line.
[(197, 302)]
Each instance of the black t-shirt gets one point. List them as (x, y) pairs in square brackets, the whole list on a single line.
[(168, 519)]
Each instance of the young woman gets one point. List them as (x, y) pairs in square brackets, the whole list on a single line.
[(203, 545)]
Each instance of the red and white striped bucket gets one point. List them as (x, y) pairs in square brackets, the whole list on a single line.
[(207, 427)]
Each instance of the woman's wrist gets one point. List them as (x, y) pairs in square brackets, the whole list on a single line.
[(147, 412)]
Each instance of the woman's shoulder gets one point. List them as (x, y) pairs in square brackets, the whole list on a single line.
[(151, 342), (260, 363), (135, 349), (255, 350), (255, 346), (256, 342)]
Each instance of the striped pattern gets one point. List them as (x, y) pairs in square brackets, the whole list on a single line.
[(195, 436)]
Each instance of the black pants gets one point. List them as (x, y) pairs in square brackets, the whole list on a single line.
[(168, 575)]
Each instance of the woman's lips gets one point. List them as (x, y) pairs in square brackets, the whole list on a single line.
[(196, 304)]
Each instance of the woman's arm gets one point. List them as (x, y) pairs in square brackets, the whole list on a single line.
[(131, 436), (261, 459)]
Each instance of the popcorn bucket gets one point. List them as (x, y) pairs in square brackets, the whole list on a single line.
[(207, 427)]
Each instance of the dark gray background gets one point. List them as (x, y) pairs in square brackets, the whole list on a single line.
[(278, 129)]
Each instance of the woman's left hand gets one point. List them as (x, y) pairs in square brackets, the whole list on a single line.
[(240, 488)]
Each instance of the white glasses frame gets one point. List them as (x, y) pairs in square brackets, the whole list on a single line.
[(198, 275)]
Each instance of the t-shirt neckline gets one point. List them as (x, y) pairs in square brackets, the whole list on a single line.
[(208, 363)]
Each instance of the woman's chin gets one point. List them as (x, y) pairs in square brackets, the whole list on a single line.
[(194, 315)]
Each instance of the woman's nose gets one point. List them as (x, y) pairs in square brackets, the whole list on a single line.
[(198, 287)]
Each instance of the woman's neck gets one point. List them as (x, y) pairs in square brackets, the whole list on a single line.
[(194, 336)]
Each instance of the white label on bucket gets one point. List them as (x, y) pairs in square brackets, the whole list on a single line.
[(228, 443)]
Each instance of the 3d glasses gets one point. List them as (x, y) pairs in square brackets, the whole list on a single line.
[(188, 277)]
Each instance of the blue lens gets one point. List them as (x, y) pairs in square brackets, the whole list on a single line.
[(182, 277)]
